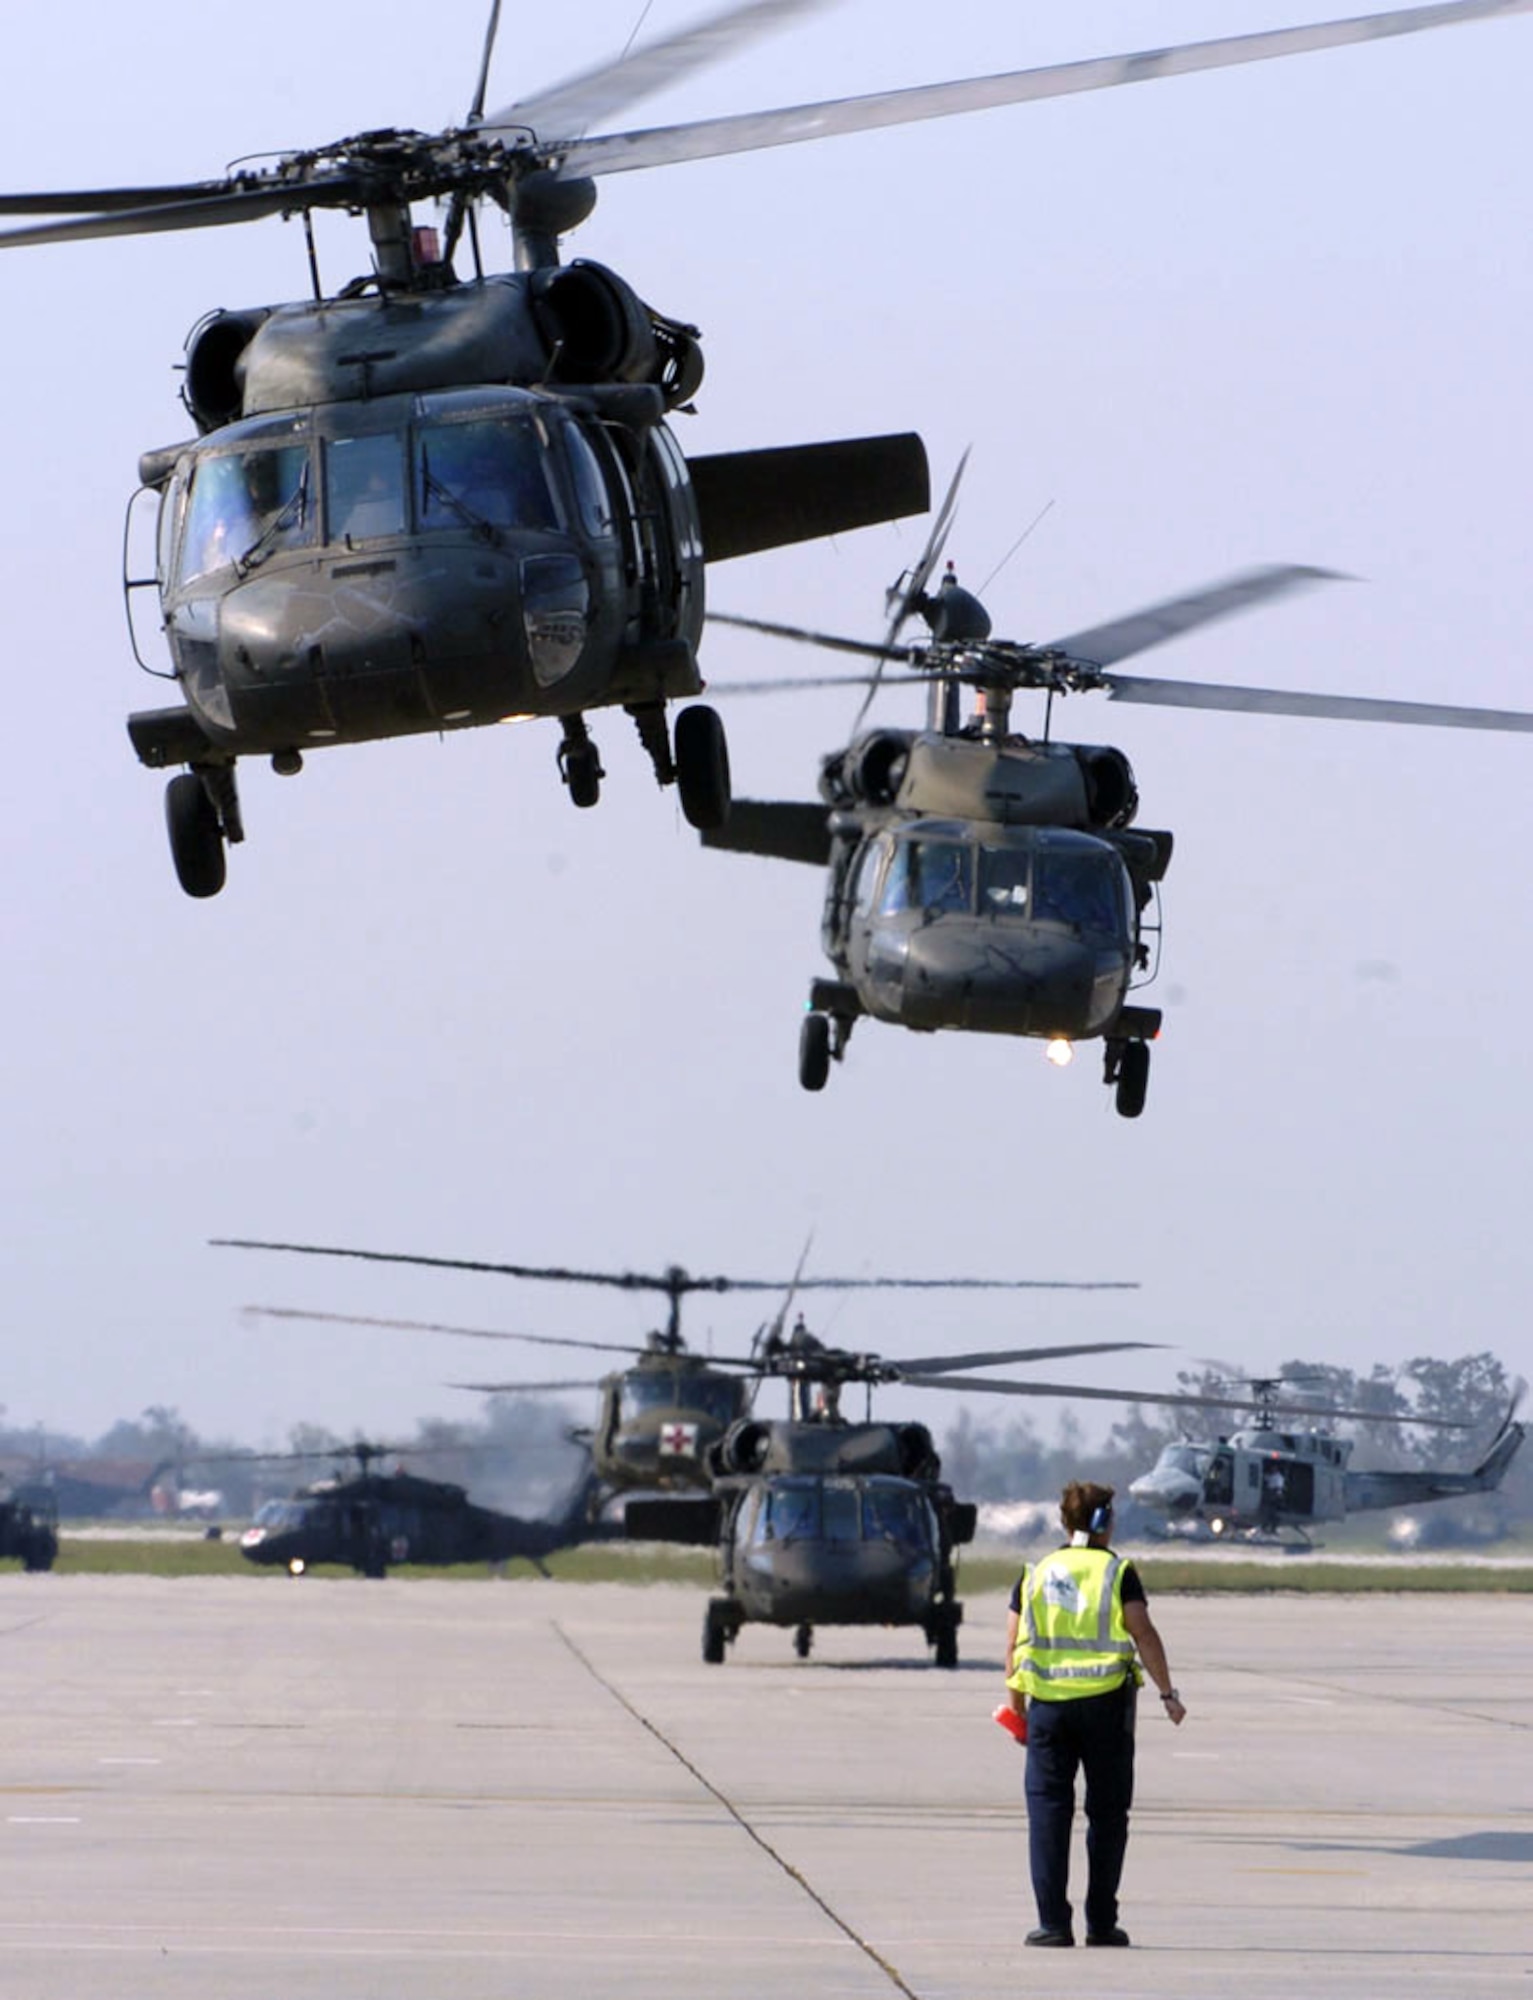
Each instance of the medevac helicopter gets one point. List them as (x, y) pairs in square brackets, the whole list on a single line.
[(984, 880), (1271, 1482), (373, 1520), (425, 503), (659, 1418)]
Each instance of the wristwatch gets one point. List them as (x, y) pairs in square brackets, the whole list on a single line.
[(1171, 1695)]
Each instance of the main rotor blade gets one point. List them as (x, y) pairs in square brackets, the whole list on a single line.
[(106, 201), (939, 1364), (623, 152), (568, 109), (239, 204), (805, 636), (1171, 1398), (436, 1326), (1325, 707), (678, 1281), (1101, 645), (492, 29), (901, 603), (520, 1388)]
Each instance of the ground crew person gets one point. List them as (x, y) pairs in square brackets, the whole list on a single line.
[(1076, 1621)]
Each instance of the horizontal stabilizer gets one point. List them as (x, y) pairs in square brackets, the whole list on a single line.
[(783, 828), (751, 500)]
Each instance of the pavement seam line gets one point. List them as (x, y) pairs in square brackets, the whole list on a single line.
[(794, 1875)]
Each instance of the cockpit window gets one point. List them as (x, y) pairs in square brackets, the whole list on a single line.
[(648, 1390), (792, 1512), (895, 1514), (929, 875), (1003, 880), (484, 475), (275, 1514), (1079, 889), (244, 506), (591, 495), (364, 488)]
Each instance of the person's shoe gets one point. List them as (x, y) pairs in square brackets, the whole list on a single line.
[(1045, 1935), (1115, 1936)]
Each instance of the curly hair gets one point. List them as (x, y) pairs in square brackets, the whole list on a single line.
[(1080, 1504)]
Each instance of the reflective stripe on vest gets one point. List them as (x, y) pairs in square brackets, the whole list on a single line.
[(1071, 1638)]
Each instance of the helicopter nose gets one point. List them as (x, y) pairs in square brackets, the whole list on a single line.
[(400, 641), (972, 975)]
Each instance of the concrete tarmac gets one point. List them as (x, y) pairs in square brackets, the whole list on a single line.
[(328, 1790)]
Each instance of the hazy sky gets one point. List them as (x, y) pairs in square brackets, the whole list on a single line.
[(1282, 313)]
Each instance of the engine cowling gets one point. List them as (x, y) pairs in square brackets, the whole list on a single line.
[(742, 1449), (214, 388), (1112, 796), (869, 771)]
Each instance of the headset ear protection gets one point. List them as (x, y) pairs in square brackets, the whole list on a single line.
[(1101, 1517)]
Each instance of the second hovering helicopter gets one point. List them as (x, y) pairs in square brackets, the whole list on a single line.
[(980, 879)]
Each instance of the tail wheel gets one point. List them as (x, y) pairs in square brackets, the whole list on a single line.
[(196, 836), (1133, 1079), (702, 767), (814, 1051)]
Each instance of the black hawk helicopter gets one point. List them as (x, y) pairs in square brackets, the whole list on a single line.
[(824, 1521), (980, 879), (1271, 1481), (29, 1525), (426, 503), (371, 1520), (660, 1417)]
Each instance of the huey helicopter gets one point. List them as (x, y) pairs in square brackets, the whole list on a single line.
[(424, 503), (371, 1520), (980, 879), (1269, 1482), (825, 1521), (29, 1525), (660, 1417)]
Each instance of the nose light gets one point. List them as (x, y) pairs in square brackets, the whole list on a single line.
[(1060, 1052)]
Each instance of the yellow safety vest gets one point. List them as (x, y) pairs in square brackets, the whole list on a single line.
[(1071, 1638)]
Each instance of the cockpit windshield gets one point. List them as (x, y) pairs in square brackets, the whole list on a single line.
[(1082, 888), (843, 1510), (484, 474), (1003, 880), (244, 506), (929, 875), (278, 1514)]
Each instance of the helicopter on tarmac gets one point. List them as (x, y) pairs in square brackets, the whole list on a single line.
[(373, 1520), (424, 503), (824, 1521), (1271, 1482), (29, 1525), (659, 1417), (979, 879)]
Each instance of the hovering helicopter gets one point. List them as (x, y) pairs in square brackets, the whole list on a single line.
[(659, 1418), (1271, 1482), (372, 1520), (823, 1521), (980, 879), (424, 502)]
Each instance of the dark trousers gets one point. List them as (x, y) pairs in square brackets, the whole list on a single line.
[(1062, 1737)]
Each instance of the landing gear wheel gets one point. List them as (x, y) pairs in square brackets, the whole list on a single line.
[(946, 1643), (580, 768), (814, 1051), (715, 1637), (1133, 1079), (803, 1639), (41, 1552), (196, 837), (702, 767)]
